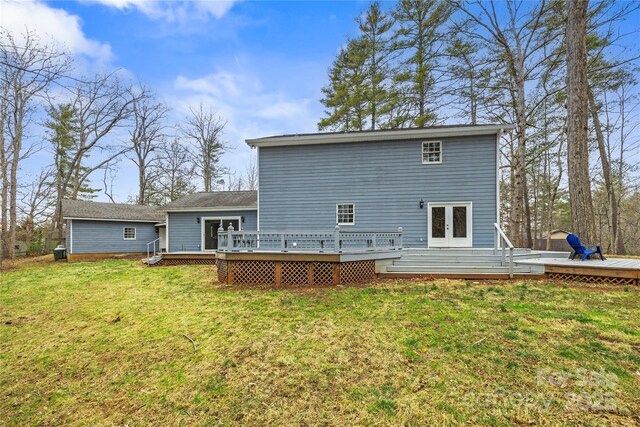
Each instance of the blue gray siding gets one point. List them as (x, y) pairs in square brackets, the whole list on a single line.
[(299, 186), (107, 237), (185, 234)]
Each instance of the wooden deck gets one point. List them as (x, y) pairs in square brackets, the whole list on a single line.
[(612, 270)]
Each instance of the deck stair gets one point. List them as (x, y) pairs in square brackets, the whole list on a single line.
[(464, 262), (153, 260)]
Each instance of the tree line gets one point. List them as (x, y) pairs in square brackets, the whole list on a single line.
[(91, 124), (562, 72)]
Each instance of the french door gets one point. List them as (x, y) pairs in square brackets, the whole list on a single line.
[(450, 225), (210, 228)]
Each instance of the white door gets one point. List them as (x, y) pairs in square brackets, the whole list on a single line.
[(450, 225), (162, 233)]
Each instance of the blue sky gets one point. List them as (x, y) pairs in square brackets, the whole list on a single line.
[(261, 65)]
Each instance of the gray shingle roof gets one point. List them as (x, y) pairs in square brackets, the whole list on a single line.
[(99, 210), (216, 199)]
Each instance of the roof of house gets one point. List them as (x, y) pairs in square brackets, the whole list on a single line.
[(438, 131), (83, 209), (215, 200)]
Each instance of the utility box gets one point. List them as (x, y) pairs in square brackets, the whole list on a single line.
[(60, 252)]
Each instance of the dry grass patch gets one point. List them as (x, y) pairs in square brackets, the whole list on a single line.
[(102, 343)]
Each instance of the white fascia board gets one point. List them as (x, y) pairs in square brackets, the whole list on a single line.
[(239, 208), (336, 138), (111, 219)]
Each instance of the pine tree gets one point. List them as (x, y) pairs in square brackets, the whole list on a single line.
[(344, 95), (420, 40), (63, 134), (376, 46)]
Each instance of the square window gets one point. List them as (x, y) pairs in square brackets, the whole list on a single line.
[(345, 214), (129, 233), (431, 152)]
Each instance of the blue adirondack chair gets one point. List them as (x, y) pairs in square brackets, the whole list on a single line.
[(580, 249)]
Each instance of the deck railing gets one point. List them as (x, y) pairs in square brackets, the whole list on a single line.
[(503, 242), (153, 248), (309, 241)]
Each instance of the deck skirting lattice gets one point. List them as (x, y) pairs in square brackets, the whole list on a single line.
[(357, 271), (294, 273), (593, 279), (184, 261)]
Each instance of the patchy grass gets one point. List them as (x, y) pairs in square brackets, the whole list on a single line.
[(103, 343)]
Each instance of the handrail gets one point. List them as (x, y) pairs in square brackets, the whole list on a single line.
[(153, 242), (304, 241), (501, 236)]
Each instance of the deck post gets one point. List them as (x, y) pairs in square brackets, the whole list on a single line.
[(230, 242), (400, 231), (336, 239), (220, 233)]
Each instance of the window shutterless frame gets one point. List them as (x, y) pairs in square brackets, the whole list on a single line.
[(345, 214), (431, 152), (129, 233)]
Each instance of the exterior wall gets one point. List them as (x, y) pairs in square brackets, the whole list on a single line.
[(185, 234), (299, 186), (107, 236)]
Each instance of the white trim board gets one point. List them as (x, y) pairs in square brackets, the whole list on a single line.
[(111, 219), (211, 209), (370, 136), (469, 237), (167, 230), (216, 218)]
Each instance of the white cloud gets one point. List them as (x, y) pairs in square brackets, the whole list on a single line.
[(250, 109), (174, 10), (57, 25)]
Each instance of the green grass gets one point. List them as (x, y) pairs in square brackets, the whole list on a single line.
[(103, 344)]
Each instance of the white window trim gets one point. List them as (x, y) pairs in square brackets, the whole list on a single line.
[(135, 233), (354, 214), (216, 218), (469, 222), (422, 153)]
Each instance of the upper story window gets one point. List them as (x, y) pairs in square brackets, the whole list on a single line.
[(346, 214), (129, 233), (431, 152)]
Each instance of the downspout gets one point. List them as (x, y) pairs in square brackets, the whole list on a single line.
[(498, 137)]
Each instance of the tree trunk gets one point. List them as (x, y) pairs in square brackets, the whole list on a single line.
[(142, 182), (615, 237), (577, 114)]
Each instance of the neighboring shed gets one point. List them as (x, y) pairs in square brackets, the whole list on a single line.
[(557, 241), (99, 230), (193, 221)]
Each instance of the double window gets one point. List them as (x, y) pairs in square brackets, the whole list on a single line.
[(129, 233), (431, 152), (345, 214)]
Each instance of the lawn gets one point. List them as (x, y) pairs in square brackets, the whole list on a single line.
[(109, 343)]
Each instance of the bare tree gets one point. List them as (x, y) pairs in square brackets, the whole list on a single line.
[(577, 120), (175, 173), (204, 129), (147, 133), (234, 182), (251, 175), (517, 43), (100, 107), (28, 67), (37, 199)]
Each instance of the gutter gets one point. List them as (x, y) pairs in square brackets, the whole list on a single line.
[(335, 138)]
